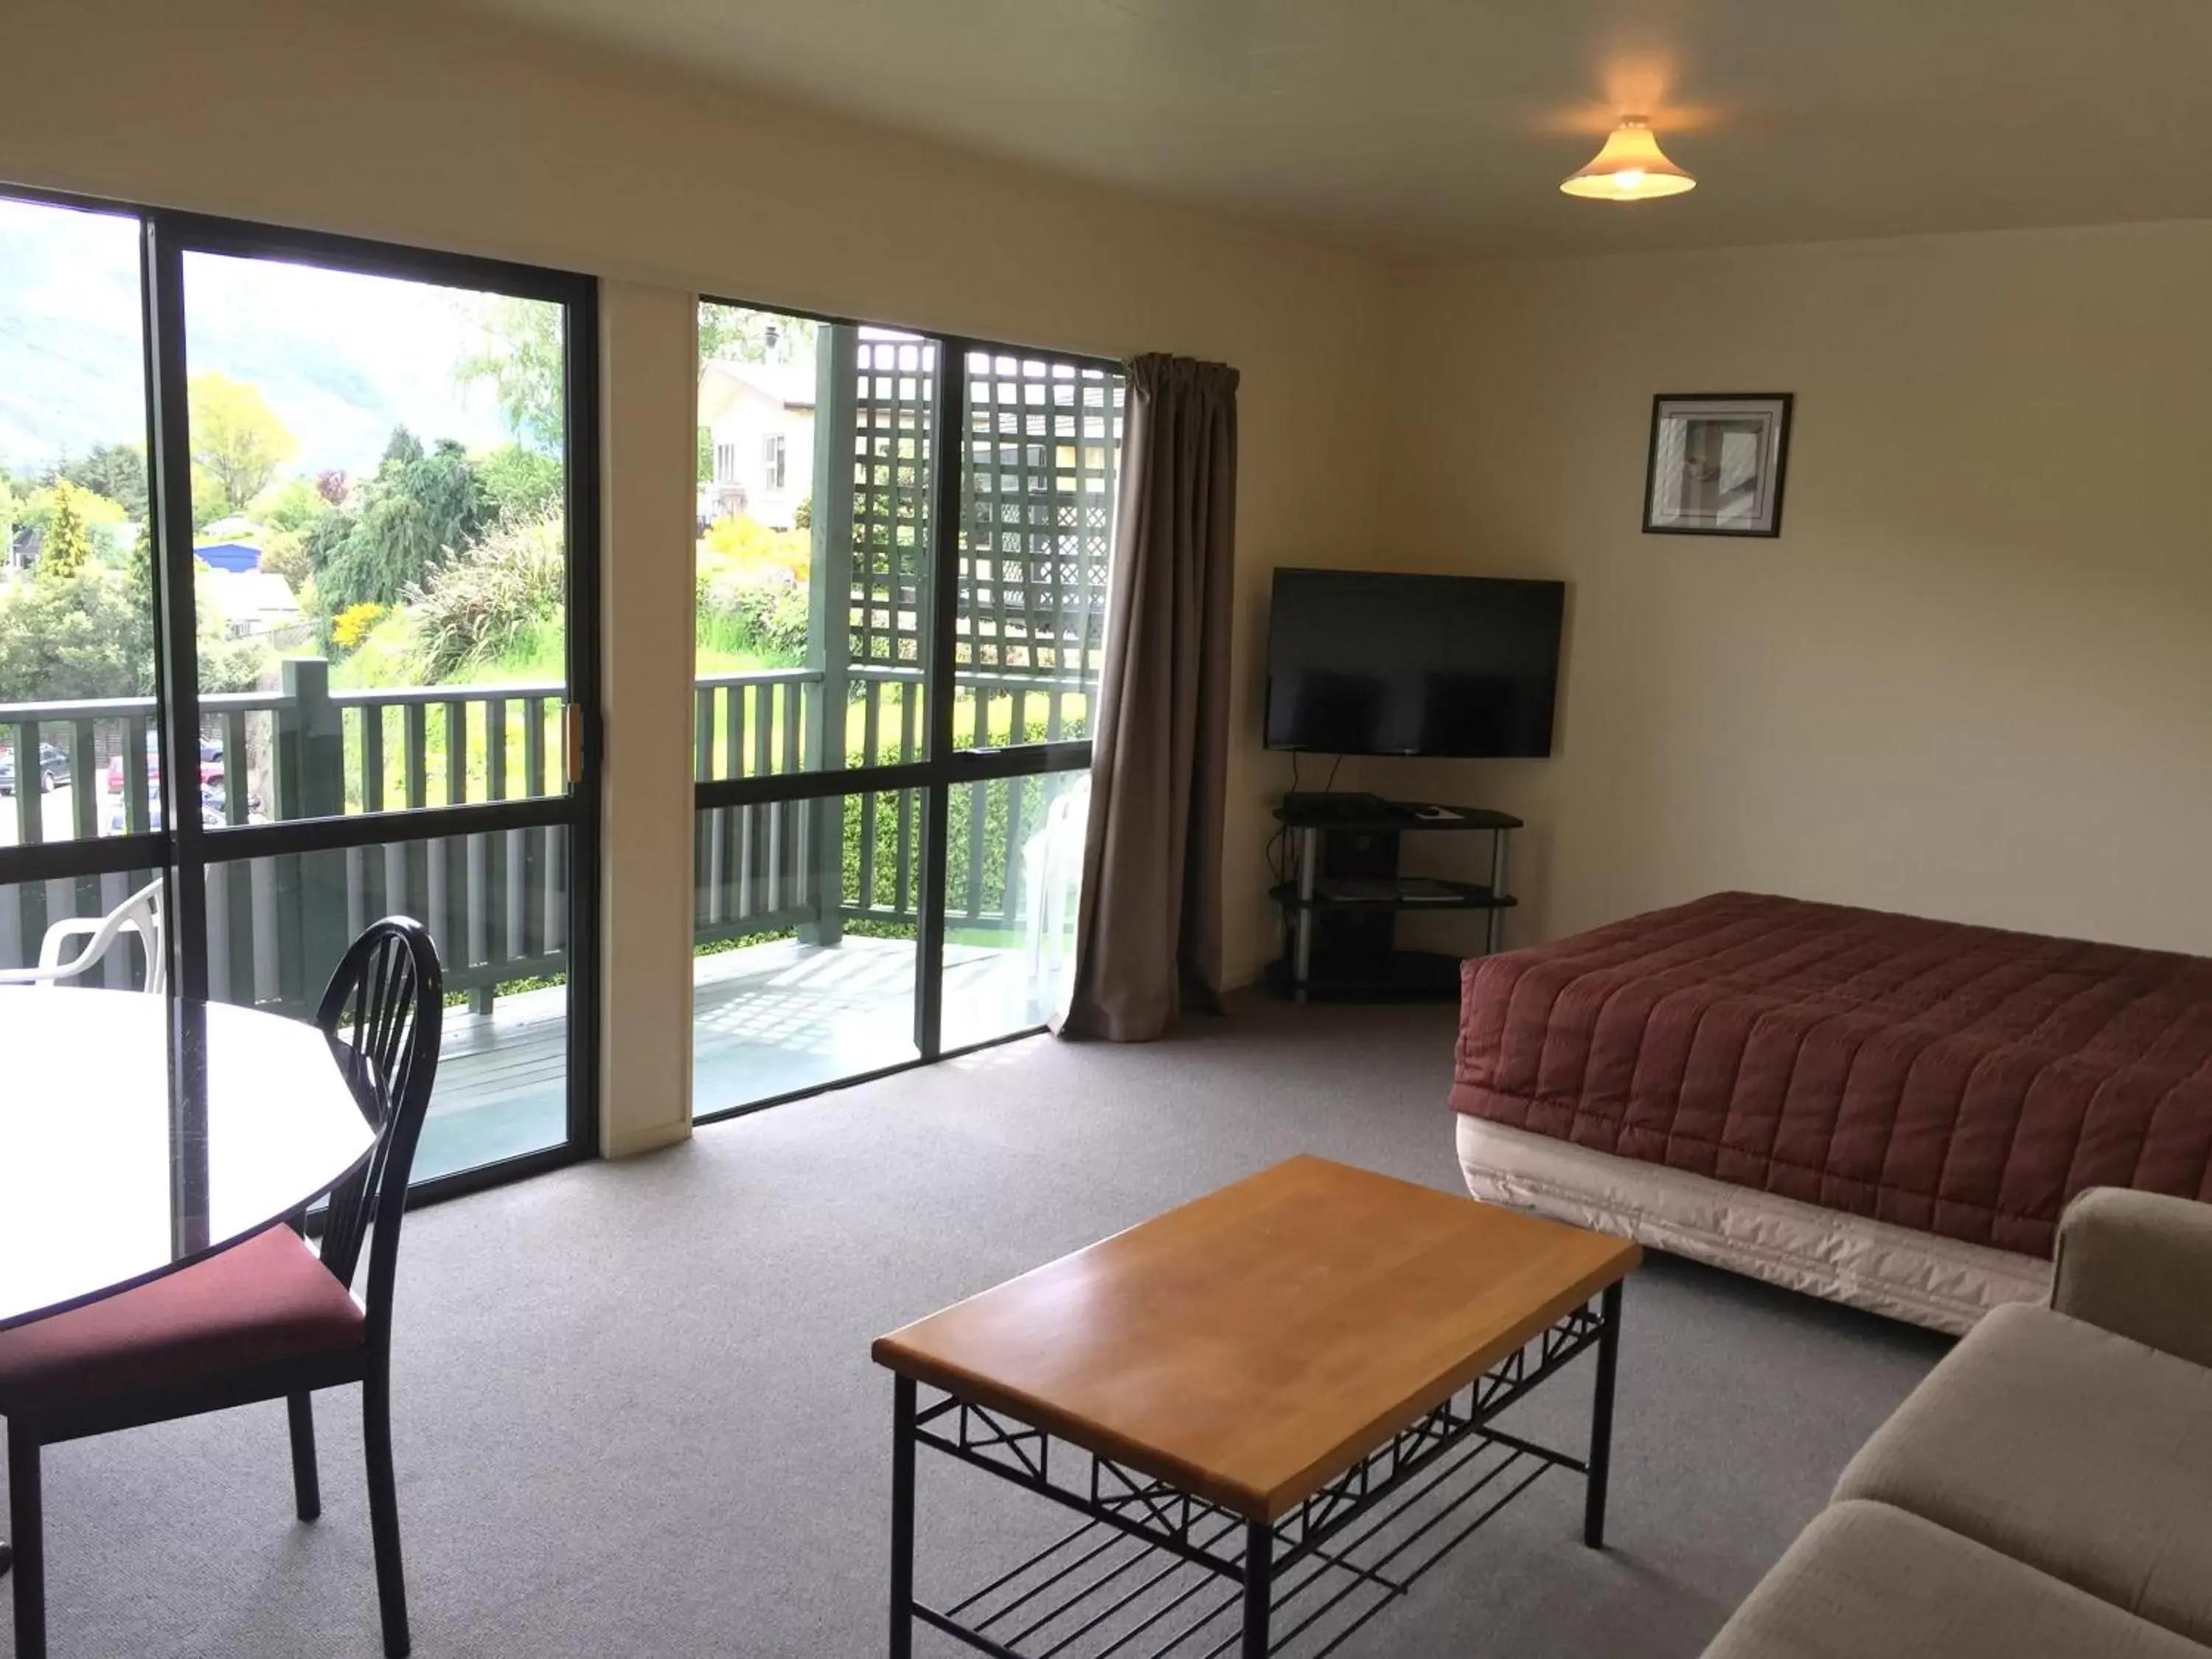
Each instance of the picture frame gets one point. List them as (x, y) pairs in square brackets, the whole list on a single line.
[(1716, 464)]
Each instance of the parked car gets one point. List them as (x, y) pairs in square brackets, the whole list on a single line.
[(212, 812), (53, 769), (210, 765)]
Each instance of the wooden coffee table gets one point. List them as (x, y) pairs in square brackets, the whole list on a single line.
[(1287, 1386)]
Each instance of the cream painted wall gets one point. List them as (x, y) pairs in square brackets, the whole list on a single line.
[(419, 124), (649, 401), (1972, 678)]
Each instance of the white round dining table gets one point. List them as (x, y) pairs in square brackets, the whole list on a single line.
[(105, 1184)]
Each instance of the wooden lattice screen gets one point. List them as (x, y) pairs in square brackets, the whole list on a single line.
[(1040, 451), (895, 384), (1036, 502)]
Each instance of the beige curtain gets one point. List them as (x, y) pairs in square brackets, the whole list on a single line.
[(1148, 929)]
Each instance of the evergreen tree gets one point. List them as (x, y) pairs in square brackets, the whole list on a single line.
[(421, 506), (115, 470), (67, 546)]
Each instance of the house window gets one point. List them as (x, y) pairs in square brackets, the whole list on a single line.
[(772, 461), (726, 464)]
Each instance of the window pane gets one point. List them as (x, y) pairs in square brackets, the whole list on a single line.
[(1038, 476), (812, 626), (76, 612), (804, 953), (497, 907), (378, 496)]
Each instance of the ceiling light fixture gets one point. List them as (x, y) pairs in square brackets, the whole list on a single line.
[(1632, 168)]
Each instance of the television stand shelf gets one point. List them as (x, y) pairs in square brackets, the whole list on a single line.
[(1345, 895)]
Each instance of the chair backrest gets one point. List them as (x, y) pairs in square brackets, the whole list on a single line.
[(140, 913), (382, 1016)]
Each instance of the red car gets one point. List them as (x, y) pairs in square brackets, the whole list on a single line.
[(210, 765)]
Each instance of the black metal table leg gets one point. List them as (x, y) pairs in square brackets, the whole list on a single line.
[(27, 1522), (1600, 1449), (1259, 1587), (902, 1409)]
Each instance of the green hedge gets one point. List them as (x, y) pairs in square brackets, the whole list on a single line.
[(994, 797)]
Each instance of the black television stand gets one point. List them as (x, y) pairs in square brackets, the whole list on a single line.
[(1344, 895)]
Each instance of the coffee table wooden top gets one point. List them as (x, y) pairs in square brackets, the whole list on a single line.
[(1251, 1346)]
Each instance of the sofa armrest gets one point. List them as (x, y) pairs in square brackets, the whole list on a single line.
[(2139, 1265)]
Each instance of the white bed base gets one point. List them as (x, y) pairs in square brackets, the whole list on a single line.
[(1875, 1265)]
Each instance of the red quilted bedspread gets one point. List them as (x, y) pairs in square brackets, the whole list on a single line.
[(1959, 1080)]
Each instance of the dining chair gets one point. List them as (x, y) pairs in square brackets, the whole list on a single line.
[(267, 1319)]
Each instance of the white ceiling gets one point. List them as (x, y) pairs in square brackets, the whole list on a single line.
[(1430, 123)]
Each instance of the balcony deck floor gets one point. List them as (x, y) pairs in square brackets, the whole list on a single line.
[(767, 1019)]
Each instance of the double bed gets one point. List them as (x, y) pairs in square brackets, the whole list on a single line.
[(1881, 1109)]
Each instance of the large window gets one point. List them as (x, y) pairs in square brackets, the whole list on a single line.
[(900, 621), (334, 580)]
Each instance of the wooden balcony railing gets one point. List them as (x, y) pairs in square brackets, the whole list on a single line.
[(496, 901)]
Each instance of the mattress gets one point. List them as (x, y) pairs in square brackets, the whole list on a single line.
[(1963, 1082), (1885, 1269)]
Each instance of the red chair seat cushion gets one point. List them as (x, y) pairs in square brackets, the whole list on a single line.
[(267, 1299)]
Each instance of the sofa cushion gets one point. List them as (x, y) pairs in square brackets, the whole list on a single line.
[(1867, 1581), (2082, 1454)]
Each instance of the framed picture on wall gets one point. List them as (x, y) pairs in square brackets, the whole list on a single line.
[(1715, 465)]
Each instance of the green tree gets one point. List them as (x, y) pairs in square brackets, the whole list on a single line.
[(115, 470), (237, 437), (742, 335), (420, 508), (67, 546), (284, 553), (209, 499), (296, 504), (521, 483), (524, 355), (88, 633), (11, 509)]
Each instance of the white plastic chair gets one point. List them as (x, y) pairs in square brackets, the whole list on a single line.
[(1052, 876), (140, 913)]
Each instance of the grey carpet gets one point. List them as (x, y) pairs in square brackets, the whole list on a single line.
[(636, 1413)]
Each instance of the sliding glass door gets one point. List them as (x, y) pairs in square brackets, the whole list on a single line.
[(353, 534), (77, 608), (901, 559)]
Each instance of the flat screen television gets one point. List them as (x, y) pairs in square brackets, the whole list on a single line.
[(1361, 663)]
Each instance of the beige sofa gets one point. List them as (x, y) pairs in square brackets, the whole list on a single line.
[(2046, 1493)]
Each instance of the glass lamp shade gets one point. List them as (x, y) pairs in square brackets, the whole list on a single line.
[(1632, 168)]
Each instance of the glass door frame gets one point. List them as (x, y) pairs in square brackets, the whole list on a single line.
[(944, 766), (183, 846)]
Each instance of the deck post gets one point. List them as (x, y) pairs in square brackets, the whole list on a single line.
[(309, 763), (828, 622)]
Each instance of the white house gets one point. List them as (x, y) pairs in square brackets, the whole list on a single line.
[(760, 420), (251, 604)]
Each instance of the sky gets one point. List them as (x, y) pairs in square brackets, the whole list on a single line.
[(341, 358)]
